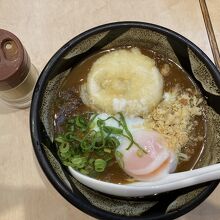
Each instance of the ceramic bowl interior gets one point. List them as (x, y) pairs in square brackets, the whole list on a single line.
[(166, 42)]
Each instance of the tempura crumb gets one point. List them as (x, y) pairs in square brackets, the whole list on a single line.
[(173, 117)]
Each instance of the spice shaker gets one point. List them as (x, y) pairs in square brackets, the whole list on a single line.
[(17, 75)]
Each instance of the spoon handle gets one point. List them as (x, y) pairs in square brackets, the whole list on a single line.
[(184, 179)]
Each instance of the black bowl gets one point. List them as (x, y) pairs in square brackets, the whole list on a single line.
[(168, 205)]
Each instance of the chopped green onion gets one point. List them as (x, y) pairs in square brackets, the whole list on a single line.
[(78, 162), (64, 148), (112, 142), (81, 122), (124, 124), (85, 146), (59, 139), (91, 121), (100, 165), (67, 163), (91, 160), (112, 130), (71, 121), (71, 128), (119, 156), (107, 150), (81, 145), (65, 156), (100, 122), (83, 171)]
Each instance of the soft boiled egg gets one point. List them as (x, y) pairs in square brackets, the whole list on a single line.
[(149, 158), (151, 161)]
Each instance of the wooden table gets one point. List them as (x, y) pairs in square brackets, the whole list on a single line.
[(44, 26)]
